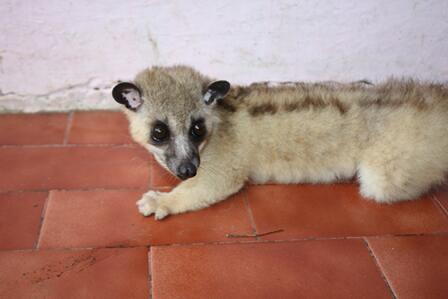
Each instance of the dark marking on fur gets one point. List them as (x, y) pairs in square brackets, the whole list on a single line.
[(364, 81), (263, 109), (310, 102), (389, 103), (227, 106), (408, 93), (238, 93), (259, 85), (316, 103), (290, 107), (307, 103), (342, 108)]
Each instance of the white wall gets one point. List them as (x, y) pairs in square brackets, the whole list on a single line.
[(59, 55)]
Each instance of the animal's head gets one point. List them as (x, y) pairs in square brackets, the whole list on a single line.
[(172, 113)]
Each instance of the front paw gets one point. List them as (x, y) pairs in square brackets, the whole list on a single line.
[(161, 212), (147, 205), (150, 204)]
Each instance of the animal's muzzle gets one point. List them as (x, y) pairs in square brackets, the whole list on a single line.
[(186, 170)]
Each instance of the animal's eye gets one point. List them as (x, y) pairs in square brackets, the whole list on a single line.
[(198, 130), (160, 132)]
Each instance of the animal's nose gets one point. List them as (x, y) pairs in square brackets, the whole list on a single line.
[(186, 170)]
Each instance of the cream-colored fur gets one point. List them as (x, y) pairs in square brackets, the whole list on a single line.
[(393, 136)]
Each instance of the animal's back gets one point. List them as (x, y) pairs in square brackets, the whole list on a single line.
[(406, 152), (322, 132)]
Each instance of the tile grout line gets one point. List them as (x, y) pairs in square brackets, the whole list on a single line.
[(439, 205), (68, 127), (143, 188), (42, 219), (150, 272), (151, 176), (80, 145), (59, 249), (378, 266), (210, 243), (217, 243), (250, 214)]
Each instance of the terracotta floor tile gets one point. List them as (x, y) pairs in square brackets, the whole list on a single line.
[(337, 210), (110, 218), (20, 217), (73, 167), (416, 267), (104, 127), (161, 177), (103, 273), (32, 128), (311, 269)]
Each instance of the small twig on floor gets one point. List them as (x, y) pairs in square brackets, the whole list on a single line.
[(254, 235)]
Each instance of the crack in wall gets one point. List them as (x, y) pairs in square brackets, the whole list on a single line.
[(154, 47), (88, 84)]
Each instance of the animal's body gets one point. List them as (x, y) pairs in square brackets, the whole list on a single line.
[(393, 135)]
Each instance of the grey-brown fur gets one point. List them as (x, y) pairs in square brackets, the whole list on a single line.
[(392, 135)]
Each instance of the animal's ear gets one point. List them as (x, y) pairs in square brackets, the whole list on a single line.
[(128, 95), (216, 91)]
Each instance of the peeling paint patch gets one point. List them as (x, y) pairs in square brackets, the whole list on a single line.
[(90, 95)]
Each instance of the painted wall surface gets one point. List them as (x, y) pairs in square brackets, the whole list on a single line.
[(60, 55)]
